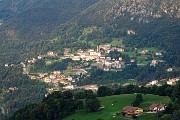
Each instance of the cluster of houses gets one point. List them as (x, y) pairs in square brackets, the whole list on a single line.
[(131, 32), (154, 108), (93, 87), (98, 57), (152, 83), (94, 57), (145, 51), (49, 54), (155, 62), (55, 78), (171, 82), (12, 89)]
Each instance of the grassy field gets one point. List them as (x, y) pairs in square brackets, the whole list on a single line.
[(151, 49), (115, 104), (117, 42), (129, 81)]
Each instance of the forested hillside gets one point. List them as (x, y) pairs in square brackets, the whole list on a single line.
[(23, 35), (9, 8), (29, 28), (154, 24), (17, 90), (53, 25)]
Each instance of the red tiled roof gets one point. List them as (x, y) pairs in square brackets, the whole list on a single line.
[(129, 109), (61, 76)]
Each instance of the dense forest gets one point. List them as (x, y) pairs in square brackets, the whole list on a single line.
[(17, 90)]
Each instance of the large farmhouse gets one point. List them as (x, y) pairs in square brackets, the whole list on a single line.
[(129, 110)]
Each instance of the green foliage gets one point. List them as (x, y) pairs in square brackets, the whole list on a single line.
[(138, 100), (115, 54), (176, 115), (104, 91), (176, 91), (25, 90), (38, 113), (117, 42), (136, 103), (41, 66), (58, 66), (139, 97), (85, 94), (92, 104), (132, 71), (33, 24), (54, 107)]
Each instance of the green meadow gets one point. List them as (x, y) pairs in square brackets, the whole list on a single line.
[(114, 104)]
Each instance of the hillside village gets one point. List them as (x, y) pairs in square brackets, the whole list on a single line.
[(90, 58), (84, 60)]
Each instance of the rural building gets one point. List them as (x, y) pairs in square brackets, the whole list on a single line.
[(103, 47), (157, 107), (129, 110), (173, 81), (60, 76), (144, 51), (154, 62), (57, 72), (68, 87), (159, 54), (67, 51), (47, 80), (169, 70), (88, 87), (51, 54), (152, 83)]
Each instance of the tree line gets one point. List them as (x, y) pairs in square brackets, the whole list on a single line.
[(59, 104), (56, 106)]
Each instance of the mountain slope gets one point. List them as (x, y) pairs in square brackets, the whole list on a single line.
[(155, 23), (25, 31), (55, 24), (41, 18), (9, 8)]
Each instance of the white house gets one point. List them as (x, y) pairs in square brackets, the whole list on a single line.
[(154, 82), (69, 87), (169, 70), (157, 107), (173, 81), (52, 76), (158, 53)]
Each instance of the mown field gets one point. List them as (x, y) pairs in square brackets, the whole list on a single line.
[(114, 104)]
